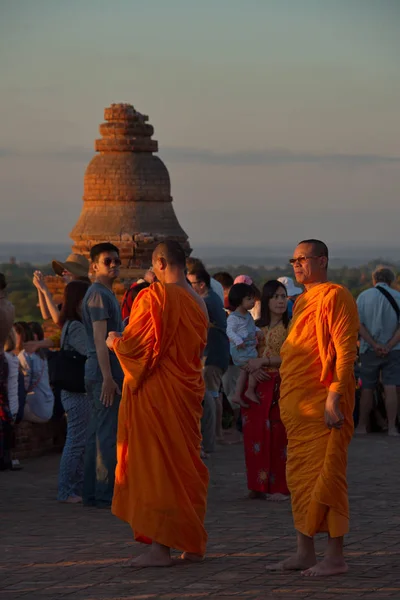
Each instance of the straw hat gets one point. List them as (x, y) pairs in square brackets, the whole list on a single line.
[(77, 264)]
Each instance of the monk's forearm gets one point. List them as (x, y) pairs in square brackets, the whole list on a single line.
[(344, 367), (333, 399)]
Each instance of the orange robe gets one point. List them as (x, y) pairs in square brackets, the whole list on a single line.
[(318, 356), (161, 482)]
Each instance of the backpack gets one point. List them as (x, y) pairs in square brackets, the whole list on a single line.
[(127, 302)]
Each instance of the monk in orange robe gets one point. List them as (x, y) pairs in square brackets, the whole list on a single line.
[(316, 404), (161, 482)]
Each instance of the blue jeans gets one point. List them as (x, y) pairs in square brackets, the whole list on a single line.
[(101, 448), (70, 479)]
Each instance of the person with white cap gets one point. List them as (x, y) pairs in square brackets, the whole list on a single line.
[(76, 267), (292, 292)]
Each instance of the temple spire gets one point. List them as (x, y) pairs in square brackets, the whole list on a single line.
[(127, 192)]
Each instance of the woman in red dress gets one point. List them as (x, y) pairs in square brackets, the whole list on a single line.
[(264, 435)]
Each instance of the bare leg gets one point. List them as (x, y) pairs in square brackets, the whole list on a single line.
[(303, 559), (251, 390), (333, 562), (391, 408), (157, 556), (366, 401), (240, 385), (218, 425)]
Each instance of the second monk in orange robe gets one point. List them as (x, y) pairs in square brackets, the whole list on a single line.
[(317, 403), (161, 482)]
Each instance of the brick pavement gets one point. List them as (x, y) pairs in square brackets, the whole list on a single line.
[(49, 550)]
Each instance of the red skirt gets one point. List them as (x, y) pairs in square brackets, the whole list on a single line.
[(265, 440)]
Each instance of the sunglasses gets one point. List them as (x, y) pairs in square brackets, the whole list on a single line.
[(107, 262), (302, 259)]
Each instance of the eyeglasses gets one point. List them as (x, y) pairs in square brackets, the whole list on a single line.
[(302, 259), (107, 262)]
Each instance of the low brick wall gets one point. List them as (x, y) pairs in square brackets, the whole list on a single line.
[(36, 439)]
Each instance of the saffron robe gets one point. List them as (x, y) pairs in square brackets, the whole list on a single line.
[(161, 482), (318, 356)]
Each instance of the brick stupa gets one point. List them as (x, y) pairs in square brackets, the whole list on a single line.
[(127, 193)]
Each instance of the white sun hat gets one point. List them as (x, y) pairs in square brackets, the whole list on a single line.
[(291, 289)]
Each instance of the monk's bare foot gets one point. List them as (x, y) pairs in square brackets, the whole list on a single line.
[(190, 557), (253, 495), (157, 556), (360, 431), (277, 497), (393, 432), (204, 455), (327, 567), (297, 562), (252, 396)]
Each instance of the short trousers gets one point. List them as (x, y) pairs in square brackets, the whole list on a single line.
[(372, 366), (213, 379)]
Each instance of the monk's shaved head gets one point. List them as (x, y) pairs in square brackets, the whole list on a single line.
[(320, 248), (172, 252)]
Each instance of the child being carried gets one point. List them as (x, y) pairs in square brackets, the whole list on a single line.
[(243, 337)]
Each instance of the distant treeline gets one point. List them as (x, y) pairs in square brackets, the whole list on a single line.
[(24, 296), (356, 279)]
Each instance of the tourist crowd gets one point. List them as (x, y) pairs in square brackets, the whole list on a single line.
[(100, 348)]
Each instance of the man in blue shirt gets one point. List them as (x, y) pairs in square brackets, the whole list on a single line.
[(101, 314), (379, 312), (216, 355)]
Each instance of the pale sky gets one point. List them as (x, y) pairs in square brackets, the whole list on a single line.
[(277, 119)]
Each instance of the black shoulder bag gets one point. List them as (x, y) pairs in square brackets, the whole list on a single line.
[(392, 301), (69, 369)]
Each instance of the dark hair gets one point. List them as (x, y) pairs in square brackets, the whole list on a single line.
[(320, 247), (98, 249), (37, 330), (172, 252), (3, 282), (225, 279), (238, 293), (269, 290), (74, 293), (194, 263), (83, 278), (384, 275), (134, 291), (201, 275), (23, 329)]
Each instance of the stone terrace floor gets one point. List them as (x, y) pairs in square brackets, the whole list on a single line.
[(49, 550)]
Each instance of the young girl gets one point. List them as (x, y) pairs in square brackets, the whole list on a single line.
[(243, 336)]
